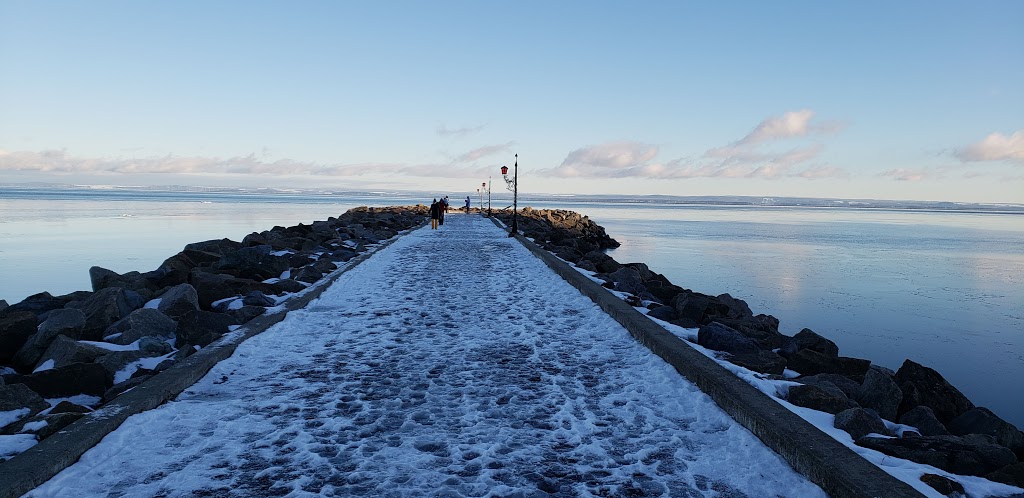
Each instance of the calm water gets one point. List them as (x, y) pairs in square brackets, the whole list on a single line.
[(943, 289)]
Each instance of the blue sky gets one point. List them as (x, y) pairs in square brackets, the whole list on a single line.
[(890, 100)]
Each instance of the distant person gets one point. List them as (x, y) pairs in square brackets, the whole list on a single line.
[(446, 204), (467, 204), (442, 208), (435, 214)]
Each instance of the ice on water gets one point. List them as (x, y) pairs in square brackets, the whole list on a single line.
[(452, 363)]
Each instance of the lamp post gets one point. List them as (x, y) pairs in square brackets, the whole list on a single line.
[(483, 186), (489, 182), (513, 185)]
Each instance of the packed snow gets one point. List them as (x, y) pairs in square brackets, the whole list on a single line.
[(451, 363)]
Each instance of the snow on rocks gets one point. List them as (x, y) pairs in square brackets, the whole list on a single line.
[(452, 363)]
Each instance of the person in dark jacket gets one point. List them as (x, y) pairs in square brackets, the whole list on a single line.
[(435, 214), (442, 207)]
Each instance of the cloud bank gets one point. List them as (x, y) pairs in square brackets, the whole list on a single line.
[(60, 162), (756, 155), (995, 147)]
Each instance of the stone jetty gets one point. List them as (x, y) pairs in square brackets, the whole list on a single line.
[(67, 356)]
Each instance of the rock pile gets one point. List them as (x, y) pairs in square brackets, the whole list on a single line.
[(945, 429), (101, 343)]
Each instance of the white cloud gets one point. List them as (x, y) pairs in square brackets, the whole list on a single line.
[(478, 153), (753, 156), (59, 162), (444, 131), (995, 147), (911, 175)]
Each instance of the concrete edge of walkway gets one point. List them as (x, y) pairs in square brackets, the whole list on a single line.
[(826, 462), (41, 462)]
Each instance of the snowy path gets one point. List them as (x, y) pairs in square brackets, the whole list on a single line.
[(452, 363)]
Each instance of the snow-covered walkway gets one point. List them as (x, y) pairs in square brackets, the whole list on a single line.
[(452, 363)]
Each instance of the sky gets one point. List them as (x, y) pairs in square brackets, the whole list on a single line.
[(883, 100)]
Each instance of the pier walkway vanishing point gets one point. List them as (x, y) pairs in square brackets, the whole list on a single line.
[(451, 363)]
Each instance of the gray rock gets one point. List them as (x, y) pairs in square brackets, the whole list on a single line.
[(722, 338), (117, 361), (286, 285), (760, 361), (1011, 474), (849, 387), (102, 278), (983, 421), (928, 388), (696, 309), (152, 346), (200, 328), (256, 263), (858, 422), (944, 485), (54, 422), (212, 287), (810, 362), (104, 308), (808, 339), (178, 300), (950, 453), (880, 393), (627, 280), (140, 323), (66, 322), (69, 380), (666, 313), (816, 398), (642, 269), (19, 396), (69, 407), (64, 351), (15, 329), (257, 298), (3, 305), (245, 313), (737, 307), (216, 246), (38, 304), (922, 418), (762, 329)]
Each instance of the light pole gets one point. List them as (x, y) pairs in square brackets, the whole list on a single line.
[(489, 182), (513, 185), (483, 186)]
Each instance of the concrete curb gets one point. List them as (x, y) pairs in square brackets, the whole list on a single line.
[(38, 464), (828, 463)]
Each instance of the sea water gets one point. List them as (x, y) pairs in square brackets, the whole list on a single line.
[(945, 289)]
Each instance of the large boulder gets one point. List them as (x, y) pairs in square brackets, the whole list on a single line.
[(737, 307), (38, 303), (18, 397), (880, 393), (1011, 474), (696, 309), (722, 338), (848, 387), (64, 351), (666, 313), (140, 323), (923, 386), (983, 421), (216, 246), (105, 307), (101, 278), (178, 300), (255, 263), (858, 422), (761, 361), (628, 280), (603, 262), (811, 362), (200, 328), (66, 322), (15, 329), (808, 339), (212, 287), (964, 456), (314, 272), (817, 398), (116, 365), (69, 380), (763, 329), (923, 419)]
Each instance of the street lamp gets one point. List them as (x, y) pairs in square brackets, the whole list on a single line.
[(513, 185)]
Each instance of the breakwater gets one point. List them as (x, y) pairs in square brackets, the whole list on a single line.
[(564, 233), (912, 413)]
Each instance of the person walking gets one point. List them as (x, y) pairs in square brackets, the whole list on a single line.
[(467, 204), (442, 207), (435, 210)]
